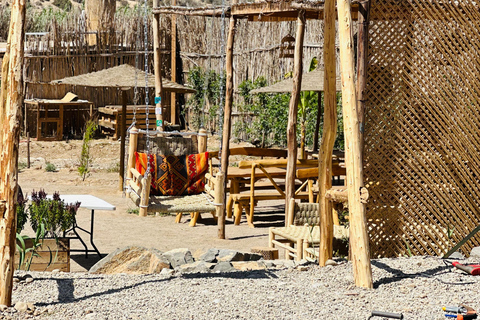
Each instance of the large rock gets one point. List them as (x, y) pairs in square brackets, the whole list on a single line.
[(178, 257), (132, 260), (475, 252), (249, 265), (227, 255), (223, 267), (196, 267), (210, 255)]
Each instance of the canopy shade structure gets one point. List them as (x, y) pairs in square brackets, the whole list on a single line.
[(311, 81), (122, 76)]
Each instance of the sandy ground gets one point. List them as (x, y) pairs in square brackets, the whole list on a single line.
[(119, 228)]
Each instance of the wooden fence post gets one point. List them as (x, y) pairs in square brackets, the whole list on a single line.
[(292, 113), (11, 99), (227, 119), (329, 134), (359, 244)]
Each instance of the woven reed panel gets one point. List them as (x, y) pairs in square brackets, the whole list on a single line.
[(422, 137)]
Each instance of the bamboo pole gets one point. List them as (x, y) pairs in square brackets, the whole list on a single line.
[(328, 136), (173, 68), (157, 60), (362, 61), (292, 113), (359, 245), (227, 119), (11, 99), (122, 140)]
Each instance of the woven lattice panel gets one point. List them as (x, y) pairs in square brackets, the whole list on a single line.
[(422, 164)]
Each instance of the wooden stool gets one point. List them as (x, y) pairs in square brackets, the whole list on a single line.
[(266, 252)]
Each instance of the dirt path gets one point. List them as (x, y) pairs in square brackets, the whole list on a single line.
[(117, 229)]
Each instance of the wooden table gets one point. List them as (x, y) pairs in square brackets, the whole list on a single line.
[(50, 116)]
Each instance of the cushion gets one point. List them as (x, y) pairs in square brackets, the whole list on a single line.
[(174, 175)]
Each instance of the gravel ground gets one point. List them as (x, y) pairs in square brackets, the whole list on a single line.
[(418, 287)]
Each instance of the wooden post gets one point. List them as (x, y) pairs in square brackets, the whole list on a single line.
[(292, 113), (362, 61), (157, 68), (11, 99), (319, 119), (100, 16), (359, 245), (227, 121), (173, 69), (202, 140), (132, 146), (328, 136), (219, 192), (122, 139), (28, 150)]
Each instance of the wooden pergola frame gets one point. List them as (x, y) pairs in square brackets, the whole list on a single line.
[(353, 109)]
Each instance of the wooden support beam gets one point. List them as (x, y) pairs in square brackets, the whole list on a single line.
[(227, 120), (189, 11), (329, 134), (122, 140), (362, 62), (157, 58), (292, 112), (173, 69), (359, 244), (11, 100), (132, 146)]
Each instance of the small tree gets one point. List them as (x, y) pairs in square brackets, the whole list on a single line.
[(85, 160)]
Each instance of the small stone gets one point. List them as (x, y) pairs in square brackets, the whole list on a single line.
[(3, 307), (302, 268), (178, 257), (16, 280), (167, 272), (29, 280), (330, 262), (196, 267), (21, 306), (209, 256), (37, 312), (30, 306), (56, 271)]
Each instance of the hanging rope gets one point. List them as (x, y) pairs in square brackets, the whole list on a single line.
[(147, 100)]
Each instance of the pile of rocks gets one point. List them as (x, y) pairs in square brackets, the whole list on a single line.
[(140, 260)]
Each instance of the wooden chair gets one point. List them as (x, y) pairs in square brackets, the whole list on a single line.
[(302, 232), (139, 185), (302, 229)]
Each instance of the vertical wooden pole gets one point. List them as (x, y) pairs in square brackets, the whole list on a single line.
[(319, 119), (132, 147), (202, 140), (173, 96), (122, 140), (362, 268), (328, 136), (227, 121), (362, 62), (28, 149), (157, 68), (292, 113), (11, 99)]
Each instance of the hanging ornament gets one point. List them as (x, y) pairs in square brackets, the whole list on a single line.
[(287, 47)]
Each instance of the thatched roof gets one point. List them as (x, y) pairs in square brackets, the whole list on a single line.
[(311, 81), (121, 77)]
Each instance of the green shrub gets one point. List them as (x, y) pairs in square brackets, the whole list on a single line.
[(22, 165), (54, 214), (50, 167), (63, 4), (85, 160)]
